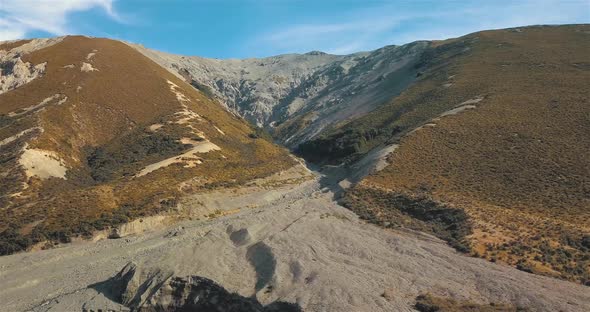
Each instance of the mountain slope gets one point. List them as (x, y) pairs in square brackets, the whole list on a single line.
[(486, 136), (296, 96), (522, 157), (503, 136), (95, 134)]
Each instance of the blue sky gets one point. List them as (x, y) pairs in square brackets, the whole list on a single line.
[(249, 28)]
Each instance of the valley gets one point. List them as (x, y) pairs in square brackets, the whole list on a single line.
[(449, 175), (299, 246), (493, 124)]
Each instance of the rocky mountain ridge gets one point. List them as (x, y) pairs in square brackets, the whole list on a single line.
[(296, 96)]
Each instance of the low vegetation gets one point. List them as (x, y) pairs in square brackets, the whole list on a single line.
[(126, 115), (415, 212), (348, 144), (126, 156), (515, 164)]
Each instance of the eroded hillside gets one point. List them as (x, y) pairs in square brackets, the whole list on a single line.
[(502, 136), (296, 96), (94, 134)]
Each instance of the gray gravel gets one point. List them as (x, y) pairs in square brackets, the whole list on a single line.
[(301, 247)]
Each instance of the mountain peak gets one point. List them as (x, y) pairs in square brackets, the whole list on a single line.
[(315, 52)]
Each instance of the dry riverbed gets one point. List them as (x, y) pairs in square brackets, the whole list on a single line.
[(297, 245)]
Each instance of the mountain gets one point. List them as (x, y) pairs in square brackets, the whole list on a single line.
[(94, 134), (296, 96), (490, 149), (492, 123), (445, 173), (518, 106)]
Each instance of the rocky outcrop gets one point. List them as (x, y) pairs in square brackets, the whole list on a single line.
[(14, 72), (195, 293), (159, 291)]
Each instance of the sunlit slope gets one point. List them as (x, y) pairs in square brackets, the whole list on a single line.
[(102, 135), (504, 139)]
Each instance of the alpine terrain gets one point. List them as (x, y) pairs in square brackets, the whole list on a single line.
[(434, 176)]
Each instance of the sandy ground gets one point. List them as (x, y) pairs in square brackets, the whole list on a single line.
[(43, 164), (297, 245)]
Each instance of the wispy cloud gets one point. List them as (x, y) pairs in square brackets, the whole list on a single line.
[(19, 17), (491, 15), (398, 24), (343, 37)]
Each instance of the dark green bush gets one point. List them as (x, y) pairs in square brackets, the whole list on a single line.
[(421, 214), (134, 148), (11, 241), (344, 145)]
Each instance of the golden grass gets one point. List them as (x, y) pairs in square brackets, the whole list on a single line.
[(518, 163), (111, 109)]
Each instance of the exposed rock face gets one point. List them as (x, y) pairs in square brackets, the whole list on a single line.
[(296, 96), (13, 71), (250, 87), (160, 291)]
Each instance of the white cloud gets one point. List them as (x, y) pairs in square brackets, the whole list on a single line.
[(18, 17), (342, 37), (390, 24)]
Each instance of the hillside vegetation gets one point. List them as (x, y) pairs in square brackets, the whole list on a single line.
[(105, 136), (350, 139), (503, 134)]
